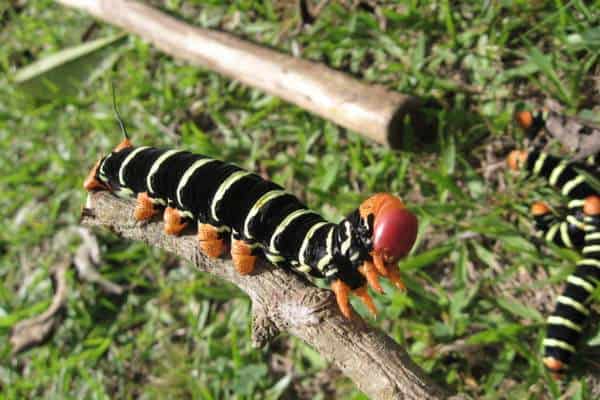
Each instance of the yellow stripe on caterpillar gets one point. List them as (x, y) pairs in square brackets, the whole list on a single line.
[(227, 183), (574, 304), (539, 163), (572, 184), (556, 320), (582, 283), (558, 343)]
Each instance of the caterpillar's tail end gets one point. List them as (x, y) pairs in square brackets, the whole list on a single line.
[(125, 143), (556, 367), (92, 182), (516, 159)]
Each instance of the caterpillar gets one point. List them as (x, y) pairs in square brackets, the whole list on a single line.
[(235, 207), (579, 230), (566, 322)]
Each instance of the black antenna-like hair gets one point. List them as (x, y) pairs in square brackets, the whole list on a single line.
[(116, 109)]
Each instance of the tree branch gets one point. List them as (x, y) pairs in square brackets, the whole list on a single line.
[(284, 301), (370, 110)]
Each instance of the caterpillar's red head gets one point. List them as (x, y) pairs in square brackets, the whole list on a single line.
[(394, 227)]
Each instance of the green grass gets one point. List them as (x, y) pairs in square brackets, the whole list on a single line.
[(470, 318)]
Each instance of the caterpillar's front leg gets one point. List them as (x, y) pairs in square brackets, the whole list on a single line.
[(389, 271), (342, 293)]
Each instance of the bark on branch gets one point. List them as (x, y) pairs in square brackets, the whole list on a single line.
[(283, 301), (370, 110)]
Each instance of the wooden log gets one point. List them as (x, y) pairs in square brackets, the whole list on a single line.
[(370, 110)]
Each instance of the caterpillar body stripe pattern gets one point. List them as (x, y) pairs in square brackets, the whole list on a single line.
[(566, 322), (559, 173), (580, 230), (564, 232), (230, 205), (563, 176)]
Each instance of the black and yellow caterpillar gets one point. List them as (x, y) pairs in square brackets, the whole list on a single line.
[(580, 230), (229, 204)]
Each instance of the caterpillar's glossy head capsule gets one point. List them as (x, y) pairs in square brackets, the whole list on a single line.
[(394, 233), (394, 227)]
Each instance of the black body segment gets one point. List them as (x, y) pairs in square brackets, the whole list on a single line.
[(163, 181), (138, 167), (567, 231), (257, 211), (560, 173)]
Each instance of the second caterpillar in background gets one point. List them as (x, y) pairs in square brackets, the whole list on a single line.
[(580, 230), (229, 204)]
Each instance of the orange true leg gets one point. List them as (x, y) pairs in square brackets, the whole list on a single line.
[(210, 241), (379, 264), (144, 208), (241, 254), (369, 271), (342, 292), (364, 296), (394, 277), (173, 224)]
